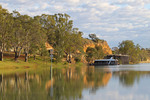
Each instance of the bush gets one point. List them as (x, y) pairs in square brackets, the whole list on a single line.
[(77, 59)]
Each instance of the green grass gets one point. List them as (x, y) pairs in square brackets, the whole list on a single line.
[(9, 66)]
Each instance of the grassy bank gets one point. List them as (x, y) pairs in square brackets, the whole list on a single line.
[(9, 66)]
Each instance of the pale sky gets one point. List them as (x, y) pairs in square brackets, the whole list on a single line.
[(111, 20)]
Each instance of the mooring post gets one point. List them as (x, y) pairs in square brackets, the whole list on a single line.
[(51, 55), (51, 67)]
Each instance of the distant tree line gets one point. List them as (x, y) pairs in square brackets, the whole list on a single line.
[(29, 34), (135, 52)]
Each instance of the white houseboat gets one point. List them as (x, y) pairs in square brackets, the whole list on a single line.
[(110, 61)]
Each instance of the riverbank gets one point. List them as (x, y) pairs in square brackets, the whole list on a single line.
[(9, 66), (145, 62), (148, 61)]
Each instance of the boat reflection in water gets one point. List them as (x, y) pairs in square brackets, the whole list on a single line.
[(74, 83)]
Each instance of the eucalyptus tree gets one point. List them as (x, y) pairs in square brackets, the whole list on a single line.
[(58, 27), (144, 54), (63, 34), (38, 37), (94, 53), (67, 39), (27, 28), (31, 37), (21, 35), (5, 30), (90, 54), (115, 50), (60, 34), (94, 37), (74, 44), (128, 47), (49, 25)]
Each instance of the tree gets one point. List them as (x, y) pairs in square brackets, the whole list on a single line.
[(99, 52), (94, 53), (5, 30), (143, 54), (21, 34), (115, 50), (25, 34), (58, 28), (90, 54), (94, 37), (26, 31), (48, 23), (38, 38), (128, 48), (26, 22), (73, 44)]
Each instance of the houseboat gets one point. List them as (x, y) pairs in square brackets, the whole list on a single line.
[(110, 61)]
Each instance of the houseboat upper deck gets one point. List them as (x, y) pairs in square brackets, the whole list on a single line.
[(110, 61)]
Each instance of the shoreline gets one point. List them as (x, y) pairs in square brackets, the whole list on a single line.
[(148, 61), (10, 67)]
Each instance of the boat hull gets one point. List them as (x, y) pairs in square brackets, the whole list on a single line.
[(102, 63)]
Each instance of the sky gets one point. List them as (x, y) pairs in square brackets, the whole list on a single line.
[(111, 20)]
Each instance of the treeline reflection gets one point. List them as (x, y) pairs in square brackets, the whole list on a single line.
[(129, 78), (66, 84)]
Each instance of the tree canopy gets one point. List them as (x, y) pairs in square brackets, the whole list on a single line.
[(28, 35), (134, 51)]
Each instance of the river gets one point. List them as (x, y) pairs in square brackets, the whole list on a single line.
[(121, 82)]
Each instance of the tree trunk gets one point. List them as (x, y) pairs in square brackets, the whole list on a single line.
[(26, 57), (1, 56), (34, 57), (69, 58), (16, 56)]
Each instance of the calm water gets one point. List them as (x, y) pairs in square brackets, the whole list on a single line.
[(121, 82)]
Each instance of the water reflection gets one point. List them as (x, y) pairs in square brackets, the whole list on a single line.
[(66, 84), (128, 78)]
